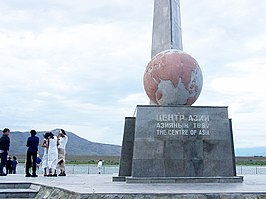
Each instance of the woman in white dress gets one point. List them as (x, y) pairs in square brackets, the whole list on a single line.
[(62, 141), (52, 155), (45, 144)]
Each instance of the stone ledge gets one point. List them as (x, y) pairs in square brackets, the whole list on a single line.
[(119, 178), (234, 179), (18, 191), (17, 185)]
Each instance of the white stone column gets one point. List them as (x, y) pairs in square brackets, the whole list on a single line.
[(166, 26)]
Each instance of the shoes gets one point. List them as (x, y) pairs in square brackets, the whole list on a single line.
[(29, 175), (3, 174), (52, 175), (62, 174)]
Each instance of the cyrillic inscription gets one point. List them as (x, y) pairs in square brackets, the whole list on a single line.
[(182, 125)]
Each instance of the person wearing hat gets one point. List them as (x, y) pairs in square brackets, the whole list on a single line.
[(52, 154), (32, 144), (62, 141), (45, 144)]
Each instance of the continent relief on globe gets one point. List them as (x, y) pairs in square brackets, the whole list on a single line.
[(173, 77)]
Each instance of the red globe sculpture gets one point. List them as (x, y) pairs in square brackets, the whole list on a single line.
[(173, 77)]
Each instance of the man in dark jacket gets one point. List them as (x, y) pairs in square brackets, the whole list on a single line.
[(4, 148), (32, 144)]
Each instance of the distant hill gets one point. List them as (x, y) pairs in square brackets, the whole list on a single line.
[(76, 145)]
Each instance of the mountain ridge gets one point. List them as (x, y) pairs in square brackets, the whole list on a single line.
[(76, 146)]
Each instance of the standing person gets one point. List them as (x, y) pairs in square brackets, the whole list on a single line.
[(62, 141), (52, 155), (4, 148), (9, 166), (45, 145), (99, 165), (14, 165), (32, 144)]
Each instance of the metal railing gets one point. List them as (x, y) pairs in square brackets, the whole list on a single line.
[(106, 169), (79, 169), (251, 170)]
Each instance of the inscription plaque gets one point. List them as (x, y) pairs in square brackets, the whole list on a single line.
[(182, 141)]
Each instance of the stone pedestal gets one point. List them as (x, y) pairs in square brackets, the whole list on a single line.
[(182, 143), (125, 164), (234, 179)]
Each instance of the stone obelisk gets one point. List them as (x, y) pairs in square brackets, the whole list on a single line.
[(166, 32), (170, 141)]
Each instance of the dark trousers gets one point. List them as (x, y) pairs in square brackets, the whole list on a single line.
[(31, 162), (3, 161)]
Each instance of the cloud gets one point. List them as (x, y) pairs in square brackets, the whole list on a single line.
[(79, 64)]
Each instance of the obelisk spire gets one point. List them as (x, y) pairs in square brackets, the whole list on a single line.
[(166, 26)]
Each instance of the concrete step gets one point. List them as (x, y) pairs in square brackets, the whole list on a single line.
[(18, 190), (18, 193), (17, 185)]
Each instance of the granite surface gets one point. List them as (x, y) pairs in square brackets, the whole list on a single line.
[(183, 141)]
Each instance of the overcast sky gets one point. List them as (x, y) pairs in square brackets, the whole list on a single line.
[(79, 65)]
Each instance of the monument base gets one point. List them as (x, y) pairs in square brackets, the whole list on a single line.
[(234, 179), (178, 144), (183, 141), (119, 179)]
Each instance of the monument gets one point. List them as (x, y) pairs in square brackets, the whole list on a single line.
[(170, 140)]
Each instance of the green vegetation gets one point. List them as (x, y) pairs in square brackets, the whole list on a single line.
[(114, 160), (255, 163), (108, 160), (70, 159), (251, 161)]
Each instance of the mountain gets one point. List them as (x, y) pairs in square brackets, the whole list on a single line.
[(76, 145)]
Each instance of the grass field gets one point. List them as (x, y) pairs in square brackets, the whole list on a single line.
[(255, 160), (114, 160), (108, 160)]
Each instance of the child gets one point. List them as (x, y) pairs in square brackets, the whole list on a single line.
[(14, 165), (9, 166)]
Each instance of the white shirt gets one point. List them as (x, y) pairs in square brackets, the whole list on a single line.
[(100, 164), (63, 142)]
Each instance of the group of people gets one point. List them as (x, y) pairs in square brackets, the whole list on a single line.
[(11, 165), (54, 153), (53, 156)]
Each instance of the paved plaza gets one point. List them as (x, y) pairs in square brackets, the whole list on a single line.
[(94, 183)]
